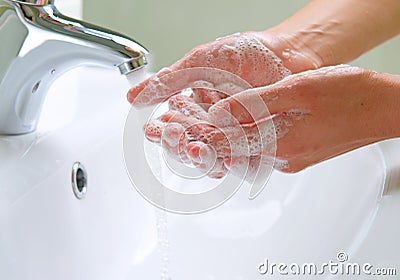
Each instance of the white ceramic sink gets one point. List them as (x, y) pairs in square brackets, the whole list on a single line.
[(113, 233)]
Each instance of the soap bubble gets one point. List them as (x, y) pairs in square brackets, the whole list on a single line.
[(165, 177)]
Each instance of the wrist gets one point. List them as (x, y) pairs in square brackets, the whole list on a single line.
[(375, 106), (387, 88), (294, 56)]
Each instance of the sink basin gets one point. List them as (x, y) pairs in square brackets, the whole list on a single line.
[(340, 206)]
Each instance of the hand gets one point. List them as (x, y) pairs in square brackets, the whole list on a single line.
[(322, 113), (245, 55), (256, 57), (189, 134), (301, 45)]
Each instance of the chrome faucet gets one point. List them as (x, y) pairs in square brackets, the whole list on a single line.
[(38, 44)]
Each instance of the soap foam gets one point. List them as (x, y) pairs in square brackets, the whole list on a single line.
[(242, 56), (232, 140), (162, 88), (281, 164), (245, 55)]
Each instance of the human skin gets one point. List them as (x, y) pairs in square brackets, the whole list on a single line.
[(334, 32), (322, 33), (342, 108), (338, 109)]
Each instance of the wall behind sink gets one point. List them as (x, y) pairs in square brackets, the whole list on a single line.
[(72, 8), (171, 28)]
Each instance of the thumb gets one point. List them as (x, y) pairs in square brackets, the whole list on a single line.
[(246, 107), (168, 82)]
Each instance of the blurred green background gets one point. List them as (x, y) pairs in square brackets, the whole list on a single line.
[(169, 29)]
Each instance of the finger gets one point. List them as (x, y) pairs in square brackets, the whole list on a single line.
[(207, 97), (178, 117), (232, 142), (283, 165), (188, 61), (244, 140), (193, 150), (195, 58), (196, 130), (288, 96), (236, 141), (204, 157), (174, 148), (161, 87), (201, 154), (246, 168), (176, 153), (171, 136), (243, 54), (229, 89), (153, 130), (227, 54), (174, 141), (187, 106), (219, 170), (137, 89), (244, 108)]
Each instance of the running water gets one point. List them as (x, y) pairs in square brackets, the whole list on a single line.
[(137, 76), (163, 243), (246, 50)]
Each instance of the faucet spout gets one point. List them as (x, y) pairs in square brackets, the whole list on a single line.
[(40, 44)]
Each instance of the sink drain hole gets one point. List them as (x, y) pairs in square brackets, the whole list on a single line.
[(79, 180)]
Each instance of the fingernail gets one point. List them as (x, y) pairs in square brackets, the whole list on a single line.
[(228, 162), (207, 154), (153, 138), (172, 134), (130, 98), (153, 130), (167, 117), (194, 151), (217, 174)]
